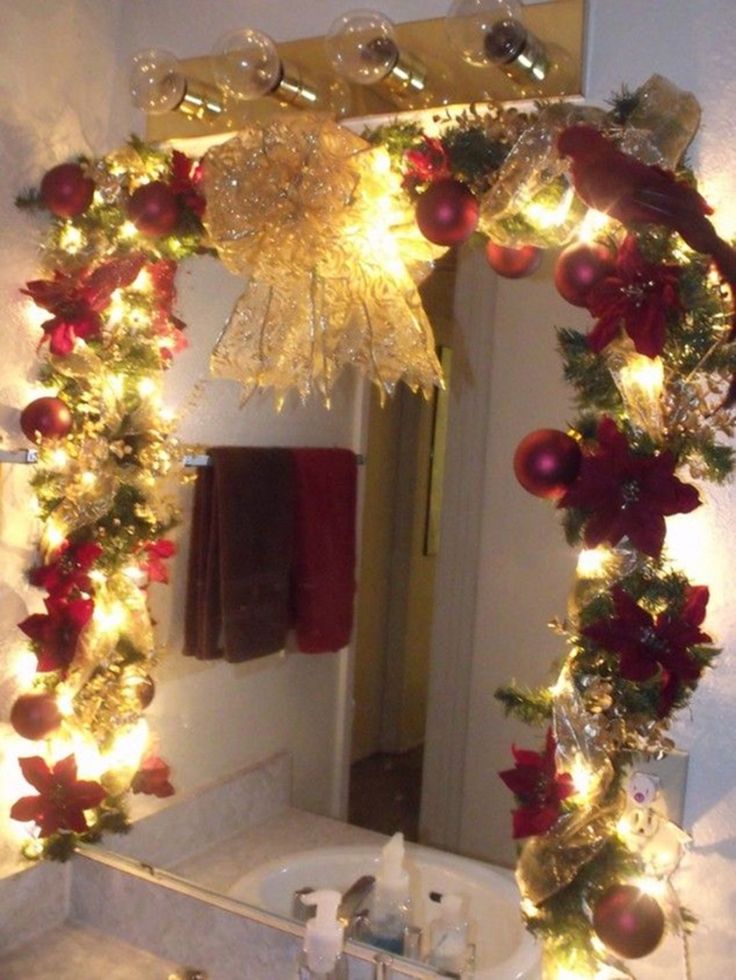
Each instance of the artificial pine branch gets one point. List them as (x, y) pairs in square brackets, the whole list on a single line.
[(533, 707), (30, 200)]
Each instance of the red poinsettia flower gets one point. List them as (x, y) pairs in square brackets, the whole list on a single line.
[(69, 569), (163, 275), (186, 182), (539, 788), (426, 163), (156, 553), (62, 797), (153, 778), (637, 297), (647, 646), (55, 634), (77, 301), (627, 495)]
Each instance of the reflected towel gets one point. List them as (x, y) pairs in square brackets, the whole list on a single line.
[(241, 554), (323, 572)]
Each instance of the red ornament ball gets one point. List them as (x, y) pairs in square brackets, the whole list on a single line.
[(34, 716), (447, 212), (153, 209), (546, 462), (628, 921), (513, 263), (579, 268), (46, 418), (66, 190)]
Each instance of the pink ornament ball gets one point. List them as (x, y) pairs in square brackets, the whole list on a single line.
[(447, 212), (579, 268), (46, 418), (513, 263), (546, 462), (66, 190), (153, 209), (34, 716), (628, 921)]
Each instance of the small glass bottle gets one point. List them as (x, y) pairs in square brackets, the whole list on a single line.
[(448, 942)]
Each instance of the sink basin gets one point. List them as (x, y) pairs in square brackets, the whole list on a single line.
[(504, 950)]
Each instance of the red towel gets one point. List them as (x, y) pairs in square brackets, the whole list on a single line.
[(323, 570), (238, 602)]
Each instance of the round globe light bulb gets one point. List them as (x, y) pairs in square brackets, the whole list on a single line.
[(247, 64), (486, 30), (156, 84), (361, 46)]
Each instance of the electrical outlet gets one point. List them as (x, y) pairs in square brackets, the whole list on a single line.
[(671, 771)]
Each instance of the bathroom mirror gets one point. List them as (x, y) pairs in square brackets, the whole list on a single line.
[(501, 571), (264, 754)]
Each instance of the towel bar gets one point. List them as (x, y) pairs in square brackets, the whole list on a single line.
[(190, 459)]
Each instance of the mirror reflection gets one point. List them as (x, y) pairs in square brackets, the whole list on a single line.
[(291, 752)]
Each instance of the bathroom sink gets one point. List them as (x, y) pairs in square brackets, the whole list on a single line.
[(504, 950)]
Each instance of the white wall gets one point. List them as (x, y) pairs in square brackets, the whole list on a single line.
[(57, 62), (213, 717)]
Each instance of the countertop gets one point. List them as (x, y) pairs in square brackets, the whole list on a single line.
[(75, 952)]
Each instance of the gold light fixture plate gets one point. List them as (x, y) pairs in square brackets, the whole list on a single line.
[(451, 81)]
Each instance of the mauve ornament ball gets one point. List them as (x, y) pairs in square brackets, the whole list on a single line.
[(628, 921), (34, 716), (546, 462), (66, 190), (513, 263), (447, 212), (153, 209), (579, 268), (46, 418)]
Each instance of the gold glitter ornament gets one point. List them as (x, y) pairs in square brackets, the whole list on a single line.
[(313, 216)]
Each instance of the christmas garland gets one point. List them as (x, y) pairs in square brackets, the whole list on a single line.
[(105, 446), (653, 385)]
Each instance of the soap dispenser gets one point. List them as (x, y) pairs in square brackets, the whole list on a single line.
[(322, 957), (390, 910), (448, 939)]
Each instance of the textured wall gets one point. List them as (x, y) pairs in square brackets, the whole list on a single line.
[(57, 62)]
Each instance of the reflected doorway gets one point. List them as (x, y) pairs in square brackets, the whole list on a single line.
[(398, 548)]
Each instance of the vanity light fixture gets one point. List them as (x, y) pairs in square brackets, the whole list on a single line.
[(247, 66), (158, 85), (362, 48), (492, 32)]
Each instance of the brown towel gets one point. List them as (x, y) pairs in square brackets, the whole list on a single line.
[(241, 553)]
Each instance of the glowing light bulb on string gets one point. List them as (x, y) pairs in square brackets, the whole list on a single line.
[(640, 381), (52, 537), (551, 216), (585, 779), (71, 239), (594, 562), (127, 230)]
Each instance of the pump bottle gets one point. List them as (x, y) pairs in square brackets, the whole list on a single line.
[(322, 957), (390, 911)]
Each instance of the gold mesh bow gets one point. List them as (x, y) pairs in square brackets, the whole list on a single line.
[(312, 214)]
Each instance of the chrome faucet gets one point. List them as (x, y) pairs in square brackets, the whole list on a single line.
[(351, 911)]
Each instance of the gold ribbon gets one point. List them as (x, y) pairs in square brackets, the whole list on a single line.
[(313, 216)]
